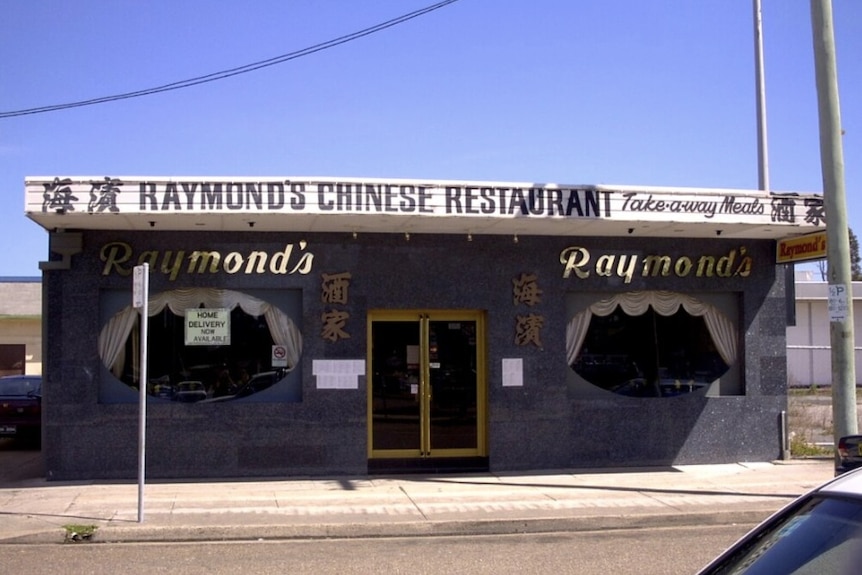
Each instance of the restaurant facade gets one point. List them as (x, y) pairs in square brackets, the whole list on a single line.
[(310, 326)]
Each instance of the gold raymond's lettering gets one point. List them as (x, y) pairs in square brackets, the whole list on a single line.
[(119, 258), (576, 260)]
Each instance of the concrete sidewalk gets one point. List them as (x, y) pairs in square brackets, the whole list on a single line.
[(37, 511)]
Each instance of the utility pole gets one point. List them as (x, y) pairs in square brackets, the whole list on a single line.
[(760, 86), (837, 234)]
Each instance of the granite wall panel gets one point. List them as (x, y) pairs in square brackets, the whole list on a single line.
[(546, 423)]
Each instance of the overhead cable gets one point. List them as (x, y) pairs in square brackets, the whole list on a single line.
[(234, 71)]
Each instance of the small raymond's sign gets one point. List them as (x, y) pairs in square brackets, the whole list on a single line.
[(207, 326), (801, 248)]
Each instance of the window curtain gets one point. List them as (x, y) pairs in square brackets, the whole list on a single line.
[(664, 303), (112, 339)]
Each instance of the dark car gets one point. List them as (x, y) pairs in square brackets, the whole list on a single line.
[(258, 382), (190, 392), (849, 453), (819, 533), (21, 407)]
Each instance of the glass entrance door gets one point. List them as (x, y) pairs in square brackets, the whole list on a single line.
[(426, 384)]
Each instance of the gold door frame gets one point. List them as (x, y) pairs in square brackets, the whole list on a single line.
[(424, 317)]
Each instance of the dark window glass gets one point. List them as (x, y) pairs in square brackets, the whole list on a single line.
[(649, 355), (194, 373), (819, 536), (12, 359), (231, 346)]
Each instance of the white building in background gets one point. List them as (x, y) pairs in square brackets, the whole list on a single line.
[(809, 359), (20, 325)]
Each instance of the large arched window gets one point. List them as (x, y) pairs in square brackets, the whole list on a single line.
[(651, 344), (194, 373)]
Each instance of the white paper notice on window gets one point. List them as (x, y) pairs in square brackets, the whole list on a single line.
[(838, 307), (513, 372)]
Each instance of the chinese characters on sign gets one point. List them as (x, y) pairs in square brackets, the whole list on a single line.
[(58, 196), (525, 290), (103, 196), (333, 290)]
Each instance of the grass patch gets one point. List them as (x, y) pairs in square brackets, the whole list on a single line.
[(812, 390), (800, 447), (77, 533)]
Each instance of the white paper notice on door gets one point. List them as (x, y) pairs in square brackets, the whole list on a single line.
[(513, 372)]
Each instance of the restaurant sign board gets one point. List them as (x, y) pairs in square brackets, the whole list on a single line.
[(801, 248)]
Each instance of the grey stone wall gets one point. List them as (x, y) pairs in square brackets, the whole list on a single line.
[(545, 424)]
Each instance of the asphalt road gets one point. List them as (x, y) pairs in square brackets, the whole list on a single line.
[(665, 551)]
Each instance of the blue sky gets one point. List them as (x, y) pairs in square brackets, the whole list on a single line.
[(638, 92)]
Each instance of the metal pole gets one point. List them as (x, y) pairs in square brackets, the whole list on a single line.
[(763, 152), (763, 184), (144, 287), (837, 235), (760, 83)]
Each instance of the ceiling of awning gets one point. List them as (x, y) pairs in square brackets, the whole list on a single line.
[(409, 224)]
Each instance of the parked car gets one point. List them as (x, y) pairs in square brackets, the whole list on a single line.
[(818, 533), (21, 407), (258, 382), (161, 387), (190, 392), (849, 453), (640, 387)]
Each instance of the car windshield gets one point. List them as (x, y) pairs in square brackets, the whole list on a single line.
[(13, 386), (823, 535)]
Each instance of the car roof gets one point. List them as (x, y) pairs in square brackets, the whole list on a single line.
[(849, 483)]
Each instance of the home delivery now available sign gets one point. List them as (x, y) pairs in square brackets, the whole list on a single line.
[(207, 326)]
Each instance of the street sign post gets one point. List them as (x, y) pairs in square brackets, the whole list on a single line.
[(140, 301)]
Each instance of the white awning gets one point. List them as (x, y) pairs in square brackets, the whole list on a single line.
[(374, 205)]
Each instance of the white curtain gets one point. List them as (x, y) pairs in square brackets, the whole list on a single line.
[(664, 303), (112, 339)]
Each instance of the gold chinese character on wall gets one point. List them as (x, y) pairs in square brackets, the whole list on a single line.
[(334, 290), (333, 325), (334, 287), (528, 329), (525, 289)]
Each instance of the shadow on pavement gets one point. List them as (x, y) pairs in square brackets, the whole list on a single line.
[(20, 461), (623, 488)]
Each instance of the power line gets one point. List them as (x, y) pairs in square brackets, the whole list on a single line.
[(235, 71)]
